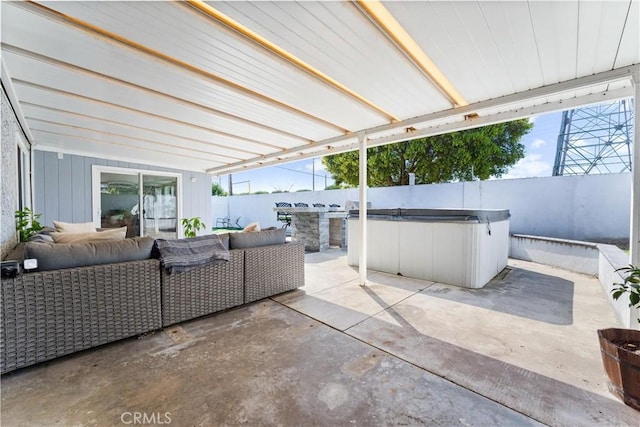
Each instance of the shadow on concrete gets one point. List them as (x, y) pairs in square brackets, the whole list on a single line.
[(260, 364), (540, 397), (266, 364), (519, 292), (324, 256)]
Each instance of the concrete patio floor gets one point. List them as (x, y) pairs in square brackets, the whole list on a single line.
[(521, 351)]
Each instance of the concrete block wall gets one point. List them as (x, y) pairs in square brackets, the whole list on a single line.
[(588, 207)]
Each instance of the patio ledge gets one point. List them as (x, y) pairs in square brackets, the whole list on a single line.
[(595, 259)]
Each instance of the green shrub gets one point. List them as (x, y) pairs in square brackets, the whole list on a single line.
[(631, 285), (192, 225), (27, 223)]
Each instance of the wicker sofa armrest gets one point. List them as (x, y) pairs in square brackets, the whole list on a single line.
[(49, 314), (271, 270), (204, 290)]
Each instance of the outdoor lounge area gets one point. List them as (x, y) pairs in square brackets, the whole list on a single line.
[(118, 117), (521, 351)]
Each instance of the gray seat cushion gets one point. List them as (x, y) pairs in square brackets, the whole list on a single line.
[(256, 239), (54, 256)]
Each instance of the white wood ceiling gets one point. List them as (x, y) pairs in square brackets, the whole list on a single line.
[(164, 83)]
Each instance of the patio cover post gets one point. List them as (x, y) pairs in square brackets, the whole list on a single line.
[(362, 190), (634, 237)]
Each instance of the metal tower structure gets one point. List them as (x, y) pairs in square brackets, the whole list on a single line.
[(595, 139)]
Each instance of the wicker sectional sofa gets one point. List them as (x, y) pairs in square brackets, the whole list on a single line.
[(49, 314)]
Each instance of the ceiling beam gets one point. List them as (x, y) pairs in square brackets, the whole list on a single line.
[(391, 28), (220, 17), (7, 85), (457, 119), (163, 161), (153, 92), (129, 126), (112, 37), (111, 142), (172, 98), (83, 98), (427, 132)]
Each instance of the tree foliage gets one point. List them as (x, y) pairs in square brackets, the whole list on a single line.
[(480, 153), (217, 190), (336, 186)]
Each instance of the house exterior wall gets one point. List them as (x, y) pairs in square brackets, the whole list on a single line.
[(9, 172), (63, 187), (587, 207)]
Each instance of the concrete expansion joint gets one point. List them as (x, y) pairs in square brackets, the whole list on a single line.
[(387, 353)]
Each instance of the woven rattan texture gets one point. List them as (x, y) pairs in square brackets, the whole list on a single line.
[(53, 313), (203, 291), (271, 270)]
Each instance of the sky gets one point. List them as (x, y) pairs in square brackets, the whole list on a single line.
[(540, 150)]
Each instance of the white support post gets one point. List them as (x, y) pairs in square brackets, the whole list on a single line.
[(634, 236), (362, 190)]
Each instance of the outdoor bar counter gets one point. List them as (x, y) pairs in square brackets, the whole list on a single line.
[(463, 247), (317, 227)]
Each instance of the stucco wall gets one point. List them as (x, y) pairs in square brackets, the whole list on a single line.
[(588, 207), (9, 174)]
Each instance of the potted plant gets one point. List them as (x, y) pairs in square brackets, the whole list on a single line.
[(192, 225), (27, 223), (620, 348)]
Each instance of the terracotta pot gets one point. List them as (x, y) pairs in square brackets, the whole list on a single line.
[(622, 365)]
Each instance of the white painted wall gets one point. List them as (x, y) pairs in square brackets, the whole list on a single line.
[(573, 255), (599, 259), (610, 259), (571, 207)]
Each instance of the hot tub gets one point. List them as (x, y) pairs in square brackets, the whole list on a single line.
[(464, 247)]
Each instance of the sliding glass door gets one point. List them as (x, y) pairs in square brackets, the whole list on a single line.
[(120, 193), (159, 206)]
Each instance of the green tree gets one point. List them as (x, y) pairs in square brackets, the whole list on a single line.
[(336, 186), (481, 153), (217, 190)]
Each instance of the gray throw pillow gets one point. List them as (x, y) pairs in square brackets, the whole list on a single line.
[(54, 256), (47, 230), (42, 238), (256, 239)]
